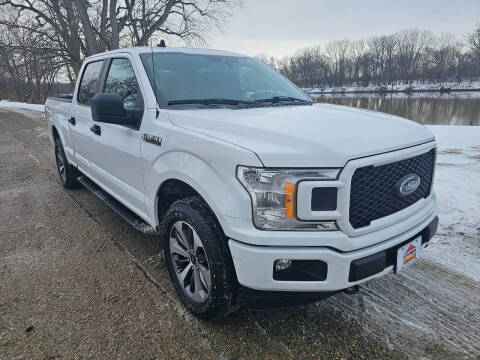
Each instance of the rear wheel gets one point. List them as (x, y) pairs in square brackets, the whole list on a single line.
[(198, 260), (68, 174)]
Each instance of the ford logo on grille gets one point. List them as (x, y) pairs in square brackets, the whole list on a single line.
[(408, 184)]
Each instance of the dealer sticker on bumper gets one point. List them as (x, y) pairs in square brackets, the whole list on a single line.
[(409, 253)]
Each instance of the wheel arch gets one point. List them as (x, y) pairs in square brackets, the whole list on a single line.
[(55, 133), (174, 189)]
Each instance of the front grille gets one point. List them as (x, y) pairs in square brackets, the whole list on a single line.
[(374, 193)]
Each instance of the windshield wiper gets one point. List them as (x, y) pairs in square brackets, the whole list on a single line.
[(235, 102), (209, 102), (279, 99)]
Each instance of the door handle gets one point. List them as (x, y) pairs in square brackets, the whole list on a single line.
[(96, 129), (72, 121)]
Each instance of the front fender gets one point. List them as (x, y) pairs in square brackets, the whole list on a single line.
[(216, 183)]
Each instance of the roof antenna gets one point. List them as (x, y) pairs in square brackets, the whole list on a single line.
[(154, 82), (162, 43)]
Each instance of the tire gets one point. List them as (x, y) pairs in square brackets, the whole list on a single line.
[(67, 173), (219, 297)]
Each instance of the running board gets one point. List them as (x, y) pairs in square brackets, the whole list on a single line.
[(126, 214)]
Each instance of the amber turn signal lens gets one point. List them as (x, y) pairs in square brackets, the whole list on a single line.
[(289, 199)]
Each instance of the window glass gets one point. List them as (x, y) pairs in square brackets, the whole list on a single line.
[(121, 80), (198, 76), (88, 85)]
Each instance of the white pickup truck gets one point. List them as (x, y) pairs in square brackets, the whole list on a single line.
[(256, 192)]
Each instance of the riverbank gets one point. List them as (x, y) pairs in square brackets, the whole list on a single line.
[(445, 87)]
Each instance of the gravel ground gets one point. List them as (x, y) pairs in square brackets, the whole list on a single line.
[(77, 282)]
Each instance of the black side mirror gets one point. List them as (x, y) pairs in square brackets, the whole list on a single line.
[(108, 108)]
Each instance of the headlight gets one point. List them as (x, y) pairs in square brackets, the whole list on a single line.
[(273, 193)]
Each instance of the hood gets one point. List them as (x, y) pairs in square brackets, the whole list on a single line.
[(321, 135)]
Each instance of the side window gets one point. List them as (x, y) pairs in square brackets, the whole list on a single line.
[(121, 80), (86, 90)]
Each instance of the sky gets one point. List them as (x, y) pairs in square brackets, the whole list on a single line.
[(280, 27)]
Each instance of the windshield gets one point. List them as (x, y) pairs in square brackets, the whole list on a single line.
[(201, 80)]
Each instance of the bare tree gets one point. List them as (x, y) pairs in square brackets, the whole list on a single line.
[(79, 28), (406, 56), (440, 59), (358, 49), (383, 52), (473, 40), (338, 54), (411, 43), (268, 60), (28, 61)]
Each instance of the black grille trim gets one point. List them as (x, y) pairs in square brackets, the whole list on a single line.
[(324, 199), (373, 194)]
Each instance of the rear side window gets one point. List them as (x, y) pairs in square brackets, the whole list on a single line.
[(121, 80), (88, 85)]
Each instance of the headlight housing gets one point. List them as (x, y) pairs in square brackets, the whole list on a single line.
[(273, 193)]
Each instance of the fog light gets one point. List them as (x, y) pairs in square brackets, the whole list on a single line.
[(282, 264)]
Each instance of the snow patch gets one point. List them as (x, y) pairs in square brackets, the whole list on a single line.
[(457, 185), (444, 87), (397, 95), (19, 105)]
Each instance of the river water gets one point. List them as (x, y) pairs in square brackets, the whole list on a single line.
[(433, 109)]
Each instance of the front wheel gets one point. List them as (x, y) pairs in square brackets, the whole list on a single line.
[(198, 260)]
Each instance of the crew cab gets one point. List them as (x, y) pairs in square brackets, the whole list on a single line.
[(254, 190)]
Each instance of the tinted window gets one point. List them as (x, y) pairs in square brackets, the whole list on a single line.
[(198, 76), (121, 80), (88, 86)]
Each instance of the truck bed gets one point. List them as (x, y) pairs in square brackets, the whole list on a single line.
[(64, 98)]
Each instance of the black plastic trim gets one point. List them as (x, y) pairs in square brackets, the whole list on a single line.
[(129, 216), (303, 270), (367, 266), (324, 199), (373, 264), (269, 300)]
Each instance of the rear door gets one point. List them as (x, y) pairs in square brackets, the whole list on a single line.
[(80, 119), (116, 160)]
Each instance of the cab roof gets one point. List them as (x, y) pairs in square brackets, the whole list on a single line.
[(157, 49)]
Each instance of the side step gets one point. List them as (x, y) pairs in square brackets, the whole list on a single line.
[(127, 215)]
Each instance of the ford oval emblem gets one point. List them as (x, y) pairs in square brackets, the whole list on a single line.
[(408, 184)]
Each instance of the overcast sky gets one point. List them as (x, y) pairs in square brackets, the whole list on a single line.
[(280, 27)]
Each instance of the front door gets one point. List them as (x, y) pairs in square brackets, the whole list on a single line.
[(116, 159)]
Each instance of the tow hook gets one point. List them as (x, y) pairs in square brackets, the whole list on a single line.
[(352, 290)]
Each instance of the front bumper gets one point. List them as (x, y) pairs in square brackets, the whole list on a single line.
[(254, 264)]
